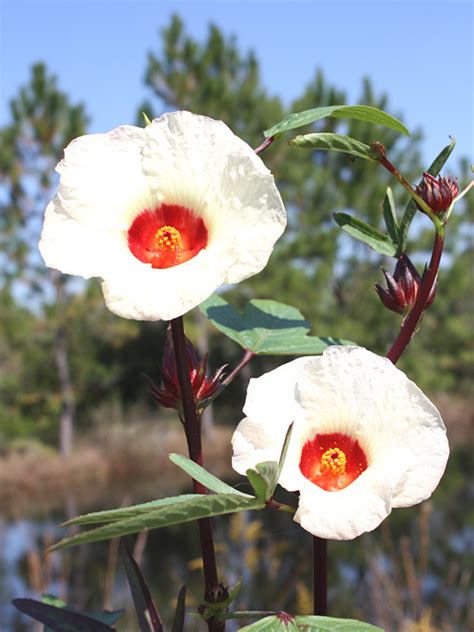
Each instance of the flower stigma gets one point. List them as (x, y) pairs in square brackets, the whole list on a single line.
[(332, 461), (168, 237)]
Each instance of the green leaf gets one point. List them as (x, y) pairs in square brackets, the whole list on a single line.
[(112, 515), (359, 112), (178, 621), (282, 622), (284, 452), (147, 614), (411, 208), (264, 477), (199, 506), (368, 234), (261, 478), (105, 616), (266, 327), (201, 475), (391, 220), (334, 142), (60, 619)]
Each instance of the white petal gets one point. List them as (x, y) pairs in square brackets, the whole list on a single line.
[(145, 293), (199, 163), (348, 513), (102, 183), (352, 390), (270, 409), (75, 248)]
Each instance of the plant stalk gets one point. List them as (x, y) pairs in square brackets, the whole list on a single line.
[(411, 322), (320, 579), (192, 428)]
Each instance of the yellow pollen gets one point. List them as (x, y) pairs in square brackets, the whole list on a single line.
[(333, 460), (168, 237)]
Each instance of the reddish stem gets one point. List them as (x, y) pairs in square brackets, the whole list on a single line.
[(413, 319), (248, 355), (266, 143), (192, 428), (320, 576)]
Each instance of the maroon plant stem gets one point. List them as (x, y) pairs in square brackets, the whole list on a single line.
[(248, 355), (266, 143), (411, 322), (320, 576), (192, 428)]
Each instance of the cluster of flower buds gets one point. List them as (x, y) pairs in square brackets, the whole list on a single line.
[(204, 388), (402, 287), (438, 193)]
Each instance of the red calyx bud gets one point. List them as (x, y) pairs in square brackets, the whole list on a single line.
[(438, 193), (204, 388), (402, 287)]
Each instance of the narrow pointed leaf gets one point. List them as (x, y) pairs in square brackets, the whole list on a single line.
[(201, 475), (285, 623), (266, 327), (284, 452), (112, 515), (368, 234), (199, 506), (178, 621), (105, 616), (434, 169), (60, 619), (334, 142), (359, 112), (148, 617), (391, 220)]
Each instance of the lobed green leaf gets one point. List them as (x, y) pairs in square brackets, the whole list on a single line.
[(334, 142), (286, 623), (266, 327), (194, 508), (368, 234), (365, 113)]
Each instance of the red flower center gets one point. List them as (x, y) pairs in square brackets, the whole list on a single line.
[(332, 461), (167, 236)]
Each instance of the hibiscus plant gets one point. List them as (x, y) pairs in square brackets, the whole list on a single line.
[(168, 214)]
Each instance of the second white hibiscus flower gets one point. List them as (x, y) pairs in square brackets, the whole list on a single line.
[(365, 439)]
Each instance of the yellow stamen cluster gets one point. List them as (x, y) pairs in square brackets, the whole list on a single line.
[(168, 237), (333, 460)]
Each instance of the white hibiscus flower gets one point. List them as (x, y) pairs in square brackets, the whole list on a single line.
[(164, 215), (365, 439)]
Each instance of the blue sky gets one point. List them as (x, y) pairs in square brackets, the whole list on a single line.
[(419, 52)]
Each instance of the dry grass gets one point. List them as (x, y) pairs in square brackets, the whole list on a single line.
[(121, 460)]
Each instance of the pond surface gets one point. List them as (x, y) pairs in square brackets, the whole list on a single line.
[(416, 563)]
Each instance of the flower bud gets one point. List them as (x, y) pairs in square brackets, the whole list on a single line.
[(402, 287), (438, 193), (204, 388)]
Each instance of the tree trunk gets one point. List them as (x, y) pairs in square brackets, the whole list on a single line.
[(68, 403)]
